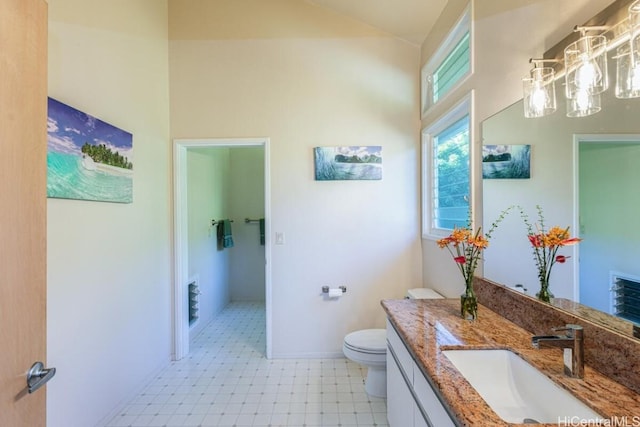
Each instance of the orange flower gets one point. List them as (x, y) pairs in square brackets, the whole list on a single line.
[(555, 236), (479, 242), (442, 243), (460, 235)]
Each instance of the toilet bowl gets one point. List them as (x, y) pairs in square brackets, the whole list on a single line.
[(368, 347)]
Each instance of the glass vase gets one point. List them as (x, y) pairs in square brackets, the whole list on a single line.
[(544, 294), (469, 302)]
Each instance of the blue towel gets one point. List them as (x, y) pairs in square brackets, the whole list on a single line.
[(262, 231), (225, 239)]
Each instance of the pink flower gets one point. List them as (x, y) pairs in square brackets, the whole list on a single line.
[(460, 259), (570, 241), (535, 240), (562, 259)]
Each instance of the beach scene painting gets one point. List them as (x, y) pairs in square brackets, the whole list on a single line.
[(348, 163), (87, 159), (506, 161)]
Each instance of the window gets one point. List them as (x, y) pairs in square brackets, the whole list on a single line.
[(446, 172), (454, 67), (449, 65)]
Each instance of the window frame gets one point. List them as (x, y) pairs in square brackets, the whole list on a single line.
[(462, 26), (454, 114)]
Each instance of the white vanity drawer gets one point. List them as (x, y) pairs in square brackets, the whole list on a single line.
[(402, 354), (409, 394), (429, 402)]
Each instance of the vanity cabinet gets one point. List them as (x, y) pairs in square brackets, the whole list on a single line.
[(411, 401), (401, 407)]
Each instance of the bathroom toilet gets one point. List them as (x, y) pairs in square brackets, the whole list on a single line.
[(423, 293), (368, 347)]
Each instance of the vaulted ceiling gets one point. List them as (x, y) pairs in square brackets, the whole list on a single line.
[(410, 20)]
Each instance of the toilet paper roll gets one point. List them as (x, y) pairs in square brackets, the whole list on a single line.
[(335, 293)]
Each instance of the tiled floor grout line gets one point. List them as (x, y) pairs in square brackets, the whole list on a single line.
[(226, 381)]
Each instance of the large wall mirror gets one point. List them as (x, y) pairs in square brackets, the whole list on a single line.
[(585, 173)]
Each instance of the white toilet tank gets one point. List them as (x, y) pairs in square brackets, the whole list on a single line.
[(423, 293)]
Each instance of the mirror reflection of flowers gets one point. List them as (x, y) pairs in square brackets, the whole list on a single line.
[(466, 246), (546, 244)]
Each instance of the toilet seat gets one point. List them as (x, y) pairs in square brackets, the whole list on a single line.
[(369, 341), (368, 347)]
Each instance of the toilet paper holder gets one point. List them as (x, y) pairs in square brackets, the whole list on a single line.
[(325, 289)]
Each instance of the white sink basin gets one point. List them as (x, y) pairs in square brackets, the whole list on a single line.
[(515, 390)]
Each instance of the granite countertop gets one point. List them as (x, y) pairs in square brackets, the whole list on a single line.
[(430, 326)]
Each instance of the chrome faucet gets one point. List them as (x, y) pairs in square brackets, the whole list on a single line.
[(572, 343)]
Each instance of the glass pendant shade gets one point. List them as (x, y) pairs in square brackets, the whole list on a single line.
[(627, 72), (628, 58), (584, 104), (539, 92), (586, 64)]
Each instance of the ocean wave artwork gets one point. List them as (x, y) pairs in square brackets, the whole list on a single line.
[(506, 161), (348, 163), (87, 158)]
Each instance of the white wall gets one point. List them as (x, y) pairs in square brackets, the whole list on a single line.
[(247, 259), (311, 79), (506, 35), (208, 195), (108, 315)]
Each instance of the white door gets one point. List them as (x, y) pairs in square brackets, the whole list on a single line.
[(23, 118)]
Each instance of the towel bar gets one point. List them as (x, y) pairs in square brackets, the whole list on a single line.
[(214, 222)]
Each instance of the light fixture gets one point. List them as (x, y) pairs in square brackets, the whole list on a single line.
[(628, 58), (585, 62), (539, 90), (584, 104)]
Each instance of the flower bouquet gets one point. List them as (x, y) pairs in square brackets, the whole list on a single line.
[(546, 244), (466, 246)]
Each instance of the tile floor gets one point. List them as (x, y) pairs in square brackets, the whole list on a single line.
[(227, 381)]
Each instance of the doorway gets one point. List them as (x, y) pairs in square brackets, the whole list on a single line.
[(607, 206), (181, 327)]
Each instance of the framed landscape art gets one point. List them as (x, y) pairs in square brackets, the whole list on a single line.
[(348, 163), (87, 159), (506, 161)]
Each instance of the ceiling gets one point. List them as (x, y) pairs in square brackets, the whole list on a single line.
[(410, 20)]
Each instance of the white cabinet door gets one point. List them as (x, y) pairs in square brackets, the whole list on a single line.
[(400, 403), (404, 379), (419, 420), (427, 398)]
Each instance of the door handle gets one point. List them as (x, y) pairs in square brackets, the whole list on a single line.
[(38, 376)]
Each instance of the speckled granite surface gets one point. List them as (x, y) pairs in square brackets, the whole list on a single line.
[(615, 354), (617, 324), (430, 326)]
